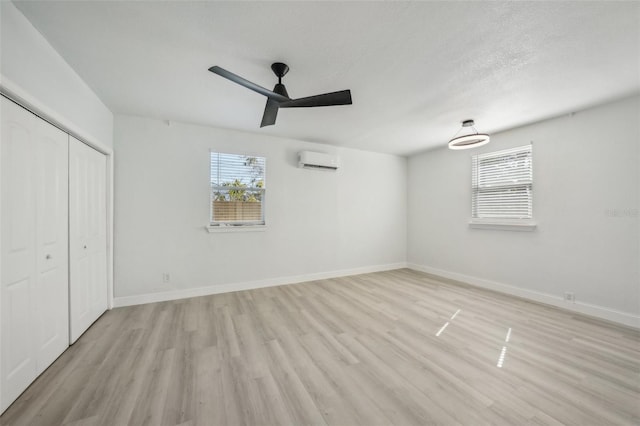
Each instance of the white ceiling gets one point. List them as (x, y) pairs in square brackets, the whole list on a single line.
[(415, 69)]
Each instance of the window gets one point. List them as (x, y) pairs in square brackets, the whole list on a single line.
[(237, 189), (502, 186)]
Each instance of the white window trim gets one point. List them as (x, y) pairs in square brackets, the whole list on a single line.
[(258, 226), (504, 224), (235, 228)]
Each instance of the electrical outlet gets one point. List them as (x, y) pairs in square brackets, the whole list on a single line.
[(569, 297), (166, 277)]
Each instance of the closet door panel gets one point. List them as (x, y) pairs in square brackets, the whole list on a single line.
[(34, 254), (98, 233), (88, 231), (18, 204), (52, 293), (18, 251)]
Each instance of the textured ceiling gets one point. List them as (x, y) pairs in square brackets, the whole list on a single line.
[(415, 69)]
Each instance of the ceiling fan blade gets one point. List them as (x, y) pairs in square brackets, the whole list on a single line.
[(342, 97), (270, 113), (246, 83)]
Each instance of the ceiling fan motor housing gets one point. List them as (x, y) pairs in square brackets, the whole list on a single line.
[(280, 69)]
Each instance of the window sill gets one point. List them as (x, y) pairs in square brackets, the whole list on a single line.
[(233, 228), (503, 225)]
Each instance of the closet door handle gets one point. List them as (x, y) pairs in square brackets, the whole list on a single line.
[(85, 247), (48, 256)]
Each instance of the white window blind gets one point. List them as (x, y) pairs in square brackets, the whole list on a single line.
[(502, 184), (237, 189)]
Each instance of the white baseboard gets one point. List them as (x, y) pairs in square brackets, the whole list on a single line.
[(608, 314), (602, 312), (248, 285)]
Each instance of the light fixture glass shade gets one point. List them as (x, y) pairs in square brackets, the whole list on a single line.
[(469, 141), (472, 140)]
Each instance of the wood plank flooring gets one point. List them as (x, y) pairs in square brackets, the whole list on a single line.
[(362, 350)]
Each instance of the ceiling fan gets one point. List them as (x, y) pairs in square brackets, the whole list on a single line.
[(279, 98)]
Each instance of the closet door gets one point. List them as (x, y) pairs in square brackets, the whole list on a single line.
[(33, 230), (87, 236), (18, 251), (52, 248)]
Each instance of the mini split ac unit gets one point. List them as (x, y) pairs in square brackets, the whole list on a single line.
[(318, 161)]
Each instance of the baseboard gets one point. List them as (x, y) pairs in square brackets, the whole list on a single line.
[(248, 285), (601, 312), (608, 314)]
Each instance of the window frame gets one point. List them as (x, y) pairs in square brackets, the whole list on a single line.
[(235, 226), (502, 223)]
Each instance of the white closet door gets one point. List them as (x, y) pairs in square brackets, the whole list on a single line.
[(87, 236), (34, 253), (18, 251), (52, 230)]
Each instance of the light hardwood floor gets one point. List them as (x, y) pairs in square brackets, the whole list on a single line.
[(362, 350)]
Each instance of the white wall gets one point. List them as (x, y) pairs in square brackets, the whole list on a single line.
[(586, 200), (33, 70), (318, 223)]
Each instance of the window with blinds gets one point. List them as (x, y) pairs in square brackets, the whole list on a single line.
[(237, 189), (502, 184)]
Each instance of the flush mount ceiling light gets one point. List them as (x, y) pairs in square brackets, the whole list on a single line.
[(468, 141)]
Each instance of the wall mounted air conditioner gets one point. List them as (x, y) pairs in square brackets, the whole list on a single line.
[(318, 161)]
